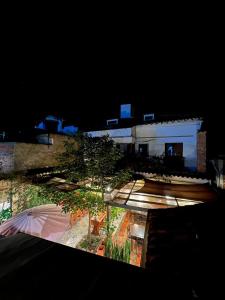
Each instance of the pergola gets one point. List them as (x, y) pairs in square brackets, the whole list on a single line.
[(143, 195)]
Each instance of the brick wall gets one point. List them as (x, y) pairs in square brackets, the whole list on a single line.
[(24, 156), (201, 152), (31, 156), (6, 157), (4, 189)]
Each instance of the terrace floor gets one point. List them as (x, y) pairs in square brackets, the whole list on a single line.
[(74, 235)]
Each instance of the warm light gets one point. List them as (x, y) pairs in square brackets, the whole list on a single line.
[(169, 197), (108, 189)]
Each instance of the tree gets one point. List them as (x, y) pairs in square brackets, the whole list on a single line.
[(92, 160), (83, 199), (11, 178)]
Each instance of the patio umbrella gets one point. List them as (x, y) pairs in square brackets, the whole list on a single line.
[(44, 221)]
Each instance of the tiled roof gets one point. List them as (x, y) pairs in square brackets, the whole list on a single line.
[(172, 121), (132, 123)]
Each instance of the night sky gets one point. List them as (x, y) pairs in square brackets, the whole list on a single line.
[(85, 82)]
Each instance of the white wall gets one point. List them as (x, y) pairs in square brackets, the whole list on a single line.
[(156, 135), (121, 135)]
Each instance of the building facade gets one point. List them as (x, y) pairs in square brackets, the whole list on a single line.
[(178, 138)]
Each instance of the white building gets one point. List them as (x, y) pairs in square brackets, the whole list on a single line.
[(168, 138)]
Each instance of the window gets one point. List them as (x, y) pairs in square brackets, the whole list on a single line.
[(174, 149), (112, 122), (2, 135), (149, 117), (143, 149), (45, 139), (123, 148)]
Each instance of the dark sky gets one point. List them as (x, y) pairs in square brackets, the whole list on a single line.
[(90, 89), (83, 78)]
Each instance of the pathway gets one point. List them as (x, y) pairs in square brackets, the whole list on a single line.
[(74, 235)]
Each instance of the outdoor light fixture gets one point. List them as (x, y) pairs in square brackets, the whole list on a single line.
[(108, 189)]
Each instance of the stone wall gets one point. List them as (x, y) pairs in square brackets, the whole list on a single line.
[(25, 156), (6, 157), (4, 189), (201, 152), (31, 156)]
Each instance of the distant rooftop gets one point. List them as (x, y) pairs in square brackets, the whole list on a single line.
[(128, 117), (159, 119)]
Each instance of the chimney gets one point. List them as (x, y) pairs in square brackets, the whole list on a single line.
[(125, 111)]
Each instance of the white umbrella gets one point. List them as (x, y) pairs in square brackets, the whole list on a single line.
[(45, 221)]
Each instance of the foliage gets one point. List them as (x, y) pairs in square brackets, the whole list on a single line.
[(72, 159), (80, 199), (13, 185), (22, 193), (90, 244), (109, 226), (108, 247), (72, 201), (92, 158), (29, 196), (5, 214), (34, 196), (115, 212), (116, 252), (120, 178)]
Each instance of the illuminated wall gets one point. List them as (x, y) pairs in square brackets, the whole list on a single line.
[(121, 136), (156, 135), (25, 156), (6, 157)]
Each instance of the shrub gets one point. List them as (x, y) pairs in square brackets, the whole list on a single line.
[(5, 214), (118, 253)]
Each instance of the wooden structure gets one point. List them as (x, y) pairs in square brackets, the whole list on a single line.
[(98, 222)]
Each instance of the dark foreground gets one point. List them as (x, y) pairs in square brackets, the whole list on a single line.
[(31, 268)]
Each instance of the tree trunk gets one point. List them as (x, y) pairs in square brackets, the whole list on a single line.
[(89, 226), (108, 218), (11, 197), (102, 191)]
